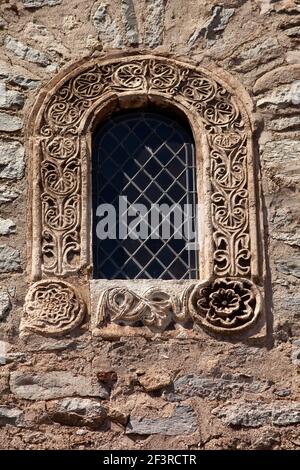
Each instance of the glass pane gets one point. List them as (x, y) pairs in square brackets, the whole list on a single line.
[(143, 176)]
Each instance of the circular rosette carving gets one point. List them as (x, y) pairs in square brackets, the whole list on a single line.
[(88, 85), (52, 307), (120, 305), (198, 88), (227, 305), (163, 77), (62, 147), (221, 113), (131, 76)]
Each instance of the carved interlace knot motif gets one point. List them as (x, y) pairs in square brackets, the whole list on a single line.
[(62, 168), (223, 305), (53, 308)]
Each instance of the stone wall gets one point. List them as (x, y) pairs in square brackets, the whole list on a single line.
[(81, 392)]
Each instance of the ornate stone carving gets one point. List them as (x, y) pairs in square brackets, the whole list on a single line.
[(227, 304), (58, 129), (52, 307), (222, 306), (60, 133)]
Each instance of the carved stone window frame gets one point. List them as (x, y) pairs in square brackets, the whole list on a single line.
[(227, 297)]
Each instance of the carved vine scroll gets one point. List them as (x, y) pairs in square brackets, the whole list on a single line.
[(225, 305), (61, 169)]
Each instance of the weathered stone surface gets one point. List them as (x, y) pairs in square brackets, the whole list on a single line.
[(283, 124), (289, 266), (12, 164), (214, 388), (257, 414), (261, 53), (279, 76), (295, 356), (24, 82), (154, 380), (182, 421), (5, 304), (130, 22), (40, 3), (107, 28), (78, 412), (285, 223), (10, 415), (155, 13), (283, 156), (26, 52), (9, 259), (7, 226), (281, 97), (10, 123), (214, 26), (10, 99), (7, 194), (51, 385), (2, 23)]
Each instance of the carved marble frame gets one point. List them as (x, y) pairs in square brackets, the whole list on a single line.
[(59, 145)]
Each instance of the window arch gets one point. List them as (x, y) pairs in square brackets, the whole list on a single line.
[(226, 298), (144, 198)]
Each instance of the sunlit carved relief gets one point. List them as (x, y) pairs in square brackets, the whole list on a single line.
[(60, 231), (225, 305), (52, 307)]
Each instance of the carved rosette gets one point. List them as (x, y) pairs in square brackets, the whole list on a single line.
[(52, 307), (226, 305)]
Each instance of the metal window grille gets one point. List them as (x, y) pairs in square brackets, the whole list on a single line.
[(150, 159)]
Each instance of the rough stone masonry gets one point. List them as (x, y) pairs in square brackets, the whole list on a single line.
[(83, 392)]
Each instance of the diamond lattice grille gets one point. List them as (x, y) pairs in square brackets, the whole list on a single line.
[(149, 159)]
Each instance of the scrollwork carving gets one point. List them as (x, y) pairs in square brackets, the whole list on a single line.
[(61, 146), (52, 307), (224, 305)]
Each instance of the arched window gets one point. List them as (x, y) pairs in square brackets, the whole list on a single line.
[(144, 198), (100, 127)]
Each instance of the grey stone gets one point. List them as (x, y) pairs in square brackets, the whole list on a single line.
[(182, 421), (130, 22), (5, 304), (295, 355), (293, 32), (214, 26), (41, 3), (78, 412), (289, 266), (10, 415), (214, 388), (10, 123), (261, 53), (51, 385), (7, 194), (9, 259), (155, 14), (2, 23), (257, 414), (7, 226), (12, 164), (283, 155), (283, 123), (10, 99), (282, 96), (26, 52), (24, 82), (106, 27)]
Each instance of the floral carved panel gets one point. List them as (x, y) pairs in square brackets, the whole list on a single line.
[(60, 132)]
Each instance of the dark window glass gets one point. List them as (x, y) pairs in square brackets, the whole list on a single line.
[(149, 159)]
